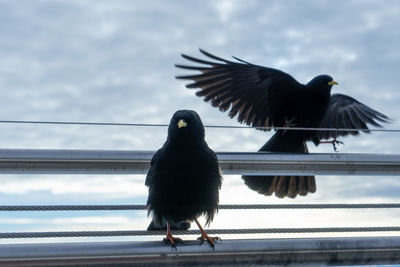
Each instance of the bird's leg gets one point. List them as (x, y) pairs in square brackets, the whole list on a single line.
[(204, 236), (334, 142), (169, 238)]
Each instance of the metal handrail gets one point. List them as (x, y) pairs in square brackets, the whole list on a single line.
[(277, 252), (58, 161)]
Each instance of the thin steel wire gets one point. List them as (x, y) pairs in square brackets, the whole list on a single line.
[(228, 206), (208, 126), (196, 232)]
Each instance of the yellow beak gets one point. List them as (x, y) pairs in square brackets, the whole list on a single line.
[(333, 82), (182, 123)]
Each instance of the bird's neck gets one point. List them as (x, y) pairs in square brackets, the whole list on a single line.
[(185, 144)]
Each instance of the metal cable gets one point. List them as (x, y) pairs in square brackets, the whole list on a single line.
[(197, 232), (228, 206), (207, 126)]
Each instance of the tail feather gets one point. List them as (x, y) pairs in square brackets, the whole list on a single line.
[(292, 188), (280, 190), (271, 187), (302, 186), (312, 187), (282, 186)]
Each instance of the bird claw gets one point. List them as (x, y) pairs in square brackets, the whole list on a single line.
[(172, 240), (211, 240), (334, 143), (289, 123)]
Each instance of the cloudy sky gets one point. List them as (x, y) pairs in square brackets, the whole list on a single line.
[(112, 61)]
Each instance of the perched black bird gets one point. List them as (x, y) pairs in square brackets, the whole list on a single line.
[(266, 97), (184, 177)]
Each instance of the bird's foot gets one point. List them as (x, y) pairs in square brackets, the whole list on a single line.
[(334, 143), (204, 236), (210, 240), (171, 240)]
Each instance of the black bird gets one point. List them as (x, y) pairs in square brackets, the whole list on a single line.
[(184, 177), (264, 97)]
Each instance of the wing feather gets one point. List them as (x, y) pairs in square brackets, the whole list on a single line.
[(240, 88), (346, 112)]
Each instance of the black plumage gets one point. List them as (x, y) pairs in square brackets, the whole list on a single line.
[(265, 97), (184, 177)]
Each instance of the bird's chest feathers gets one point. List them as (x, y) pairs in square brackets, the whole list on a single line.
[(311, 106), (180, 166), (184, 176), (187, 163)]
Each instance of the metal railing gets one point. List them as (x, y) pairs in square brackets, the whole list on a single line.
[(275, 252), (53, 161), (376, 250)]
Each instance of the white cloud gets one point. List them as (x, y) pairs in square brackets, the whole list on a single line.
[(127, 186), (225, 9)]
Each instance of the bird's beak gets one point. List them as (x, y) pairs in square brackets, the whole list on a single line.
[(182, 123), (333, 82)]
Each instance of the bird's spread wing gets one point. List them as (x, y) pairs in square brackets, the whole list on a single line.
[(251, 92), (347, 113)]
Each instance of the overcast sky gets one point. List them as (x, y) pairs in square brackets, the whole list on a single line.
[(112, 61)]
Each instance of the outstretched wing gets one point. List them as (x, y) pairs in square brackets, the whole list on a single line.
[(347, 113), (254, 93)]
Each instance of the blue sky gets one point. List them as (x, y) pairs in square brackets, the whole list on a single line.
[(112, 61)]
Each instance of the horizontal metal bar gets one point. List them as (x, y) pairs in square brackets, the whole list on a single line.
[(222, 206), (196, 232), (300, 251), (42, 161)]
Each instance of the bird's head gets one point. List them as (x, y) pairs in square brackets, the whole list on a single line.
[(323, 82), (186, 124)]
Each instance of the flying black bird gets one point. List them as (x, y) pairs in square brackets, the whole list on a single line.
[(265, 97), (184, 177)]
